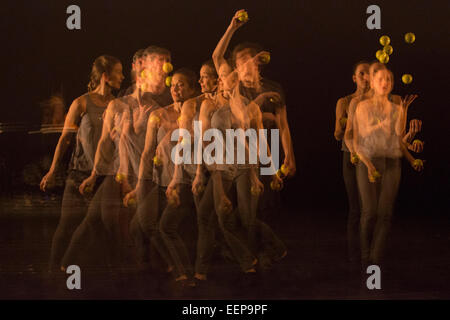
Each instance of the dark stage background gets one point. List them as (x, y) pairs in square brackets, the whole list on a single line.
[(313, 45)]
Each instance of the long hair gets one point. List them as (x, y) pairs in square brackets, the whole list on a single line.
[(103, 64)]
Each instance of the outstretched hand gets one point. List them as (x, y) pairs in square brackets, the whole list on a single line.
[(408, 99)]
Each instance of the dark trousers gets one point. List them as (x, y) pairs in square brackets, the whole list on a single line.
[(73, 210), (171, 220), (354, 211), (102, 219), (377, 201), (144, 227)]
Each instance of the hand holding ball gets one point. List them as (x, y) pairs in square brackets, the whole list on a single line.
[(243, 16), (375, 176)]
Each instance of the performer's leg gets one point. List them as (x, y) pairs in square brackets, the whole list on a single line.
[(171, 219), (390, 181), (354, 212)]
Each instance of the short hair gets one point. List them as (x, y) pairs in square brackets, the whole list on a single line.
[(356, 65), (253, 47), (139, 54), (190, 75), (156, 50), (211, 65)]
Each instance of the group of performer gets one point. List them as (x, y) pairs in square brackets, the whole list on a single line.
[(371, 123), (123, 183)]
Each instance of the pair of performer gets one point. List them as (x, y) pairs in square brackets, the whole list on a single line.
[(371, 123)]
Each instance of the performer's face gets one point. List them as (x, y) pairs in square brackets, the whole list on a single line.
[(382, 83), (225, 82), (208, 81), (372, 68), (361, 76), (180, 89), (138, 65), (154, 63), (247, 67), (115, 78)]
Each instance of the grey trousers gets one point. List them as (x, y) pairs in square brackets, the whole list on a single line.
[(144, 227), (103, 215), (244, 245), (378, 200), (171, 219), (73, 210)]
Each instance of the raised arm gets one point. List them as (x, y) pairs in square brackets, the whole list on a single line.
[(221, 48)]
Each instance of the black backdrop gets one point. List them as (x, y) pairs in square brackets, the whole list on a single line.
[(313, 44)]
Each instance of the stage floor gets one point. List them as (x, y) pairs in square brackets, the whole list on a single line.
[(418, 262)]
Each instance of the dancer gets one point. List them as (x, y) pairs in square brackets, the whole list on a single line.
[(85, 119), (274, 114), (227, 180), (180, 191), (361, 79), (378, 130), (108, 211), (156, 163)]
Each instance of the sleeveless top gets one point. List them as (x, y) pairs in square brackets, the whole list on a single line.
[(379, 143), (222, 120), (135, 141), (349, 97), (88, 135)]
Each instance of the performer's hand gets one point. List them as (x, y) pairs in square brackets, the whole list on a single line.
[(235, 22), (354, 158), (47, 181), (418, 164), (373, 174), (415, 126), (130, 195), (263, 57), (172, 195), (290, 166), (225, 206), (416, 146), (257, 187), (125, 186), (408, 99), (87, 185), (276, 183), (198, 185)]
